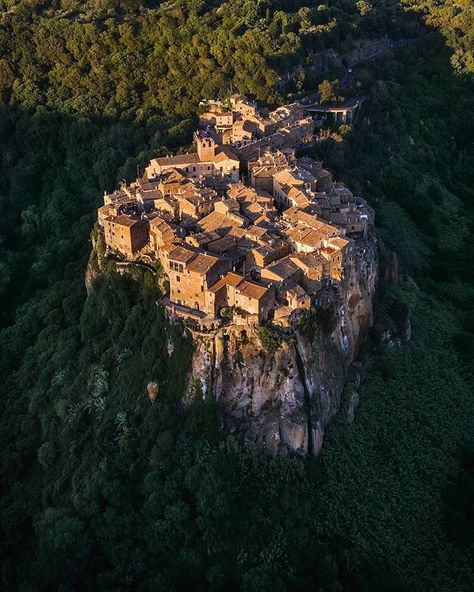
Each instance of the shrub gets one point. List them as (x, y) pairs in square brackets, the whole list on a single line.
[(270, 339), (227, 312), (308, 325)]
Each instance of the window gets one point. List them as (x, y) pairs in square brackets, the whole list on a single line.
[(194, 169), (178, 279)]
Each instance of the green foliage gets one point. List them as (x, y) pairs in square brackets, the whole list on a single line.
[(227, 312), (308, 326), (46, 454), (329, 91), (344, 129), (403, 444), (311, 322), (364, 7), (456, 22), (102, 490), (458, 497), (395, 308), (270, 338)]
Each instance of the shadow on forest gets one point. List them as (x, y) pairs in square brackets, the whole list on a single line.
[(102, 491)]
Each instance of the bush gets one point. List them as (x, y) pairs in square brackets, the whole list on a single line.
[(308, 325), (329, 91), (227, 312), (270, 339)]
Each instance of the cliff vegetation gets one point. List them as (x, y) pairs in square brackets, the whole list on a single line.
[(102, 490)]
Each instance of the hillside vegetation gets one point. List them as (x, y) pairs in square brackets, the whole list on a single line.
[(100, 489)]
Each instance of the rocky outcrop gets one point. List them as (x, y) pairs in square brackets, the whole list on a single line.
[(362, 50), (284, 400), (95, 264), (91, 273)]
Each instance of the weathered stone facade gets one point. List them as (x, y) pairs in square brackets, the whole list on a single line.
[(285, 400)]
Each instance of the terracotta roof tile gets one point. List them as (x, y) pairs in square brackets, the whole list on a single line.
[(230, 279), (182, 159), (202, 263)]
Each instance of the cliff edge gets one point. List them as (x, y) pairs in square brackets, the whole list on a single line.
[(284, 399)]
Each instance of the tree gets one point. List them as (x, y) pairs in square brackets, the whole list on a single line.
[(329, 91)]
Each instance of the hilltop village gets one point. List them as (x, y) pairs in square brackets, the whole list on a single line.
[(242, 228)]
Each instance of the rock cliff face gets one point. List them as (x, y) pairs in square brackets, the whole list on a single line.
[(284, 400)]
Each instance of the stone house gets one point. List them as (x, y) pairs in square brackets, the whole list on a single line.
[(219, 119), (315, 269), (262, 169), (306, 240), (210, 159), (221, 223), (266, 252), (191, 273), (243, 131), (297, 297), (282, 182), (281, 272), (196, 202), (125, 234), (247, 296), (107, 211), (162, 233), (243, 106), (201, 239), (334, 251)]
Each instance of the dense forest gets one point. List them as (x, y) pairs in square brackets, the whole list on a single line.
[(100, 490)]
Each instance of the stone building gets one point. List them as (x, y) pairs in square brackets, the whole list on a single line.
[(243, 106), (191, 273), (209, 159), (261, 250), (163, 233), (250, 297), (262, 169), (125, 234)]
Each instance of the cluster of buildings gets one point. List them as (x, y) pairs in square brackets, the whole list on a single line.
[(248, 235), (250, 132)]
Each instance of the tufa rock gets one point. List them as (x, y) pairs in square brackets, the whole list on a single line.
[(283, 401), (153, 389)]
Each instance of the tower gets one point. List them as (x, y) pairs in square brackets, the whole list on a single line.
[(206, 146)]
